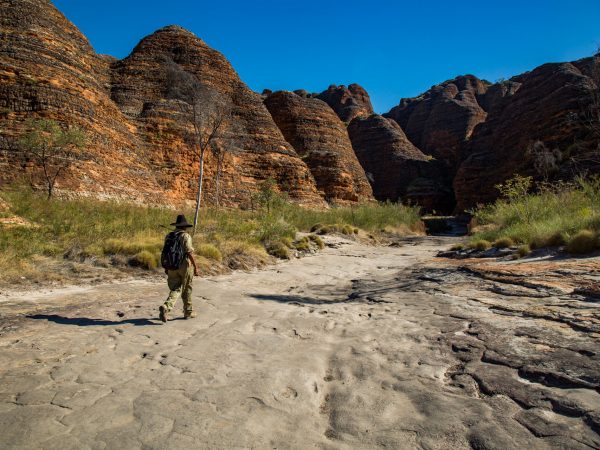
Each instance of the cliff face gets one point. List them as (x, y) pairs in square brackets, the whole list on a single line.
[(347, 102), (256, 148), (137, 146), (48, 69), (321, 139), (543, 106), (398, 170), (454, 142), (443, 118), (483, 134)]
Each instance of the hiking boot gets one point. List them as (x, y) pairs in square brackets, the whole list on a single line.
[(189, 315), (162, 313)]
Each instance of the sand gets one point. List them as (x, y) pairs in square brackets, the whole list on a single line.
[(355, 347)]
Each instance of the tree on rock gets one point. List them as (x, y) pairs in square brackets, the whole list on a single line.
[(209, 114), (52, 149)]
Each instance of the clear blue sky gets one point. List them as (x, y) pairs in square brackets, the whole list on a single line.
[(392, 48)]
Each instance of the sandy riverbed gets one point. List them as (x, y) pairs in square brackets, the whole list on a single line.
[(356, 347)]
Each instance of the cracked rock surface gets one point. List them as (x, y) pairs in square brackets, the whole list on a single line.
[(356, 347)]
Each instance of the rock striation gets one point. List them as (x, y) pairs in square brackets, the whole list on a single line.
[(48, 69), (543, 106), (137, 147), (255, 148), (347, 102), (397, 170), (321, 140), (445, 149), (441, 120)]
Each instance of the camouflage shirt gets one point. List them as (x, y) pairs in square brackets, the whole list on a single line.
[(186, 242)]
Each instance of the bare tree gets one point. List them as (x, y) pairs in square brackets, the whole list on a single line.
[(545, 161), (220, 149), (218, 152), (208, 111), (52, 149)]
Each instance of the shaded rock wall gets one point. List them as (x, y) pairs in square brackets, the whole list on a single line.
[(541, 105), (321, 139), (397, 170), (443, 118)]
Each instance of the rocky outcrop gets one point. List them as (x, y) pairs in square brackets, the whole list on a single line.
[(542, 106), (397, 170), (256, 149), (463, 134), (441, 120), (137, 146), (347, 102), (48, 69), (321, 140)]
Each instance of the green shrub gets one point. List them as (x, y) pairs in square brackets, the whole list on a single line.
[(503, 242), (544, 218), (209, 251), (457, 247), (585, 241)]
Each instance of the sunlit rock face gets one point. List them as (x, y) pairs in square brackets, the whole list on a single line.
[(137, 147)]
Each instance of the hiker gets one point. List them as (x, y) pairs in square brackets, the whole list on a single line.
[(177, 254)]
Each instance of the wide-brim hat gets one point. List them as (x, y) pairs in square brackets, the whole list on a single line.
[(181, 222)]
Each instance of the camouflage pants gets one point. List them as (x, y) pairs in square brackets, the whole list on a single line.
[(180, 284)]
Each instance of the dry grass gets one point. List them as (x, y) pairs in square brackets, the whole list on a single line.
[(523, 250), (480, 244), (586, 241), (123, 235), (503, 242), (551, 217)]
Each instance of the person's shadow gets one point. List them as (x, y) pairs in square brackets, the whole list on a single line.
[(86, 322)]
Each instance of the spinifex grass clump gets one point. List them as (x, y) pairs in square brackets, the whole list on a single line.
[(549, 217), (480, 244), (122, 233), (585, 241), (503, 242)]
